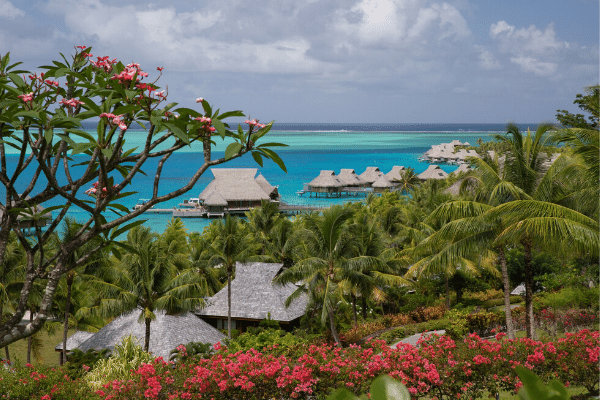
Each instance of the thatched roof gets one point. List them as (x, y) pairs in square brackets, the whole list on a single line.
[(433, 172), (166, 332), (395, 173), (75, 340), (462, 168), (265, 185), (325, 179), (349, 178), (233, 184), (371, 174), (254, 296), (214, 198), (382, 182)]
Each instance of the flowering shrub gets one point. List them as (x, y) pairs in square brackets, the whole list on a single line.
[(439, 368), (421, 314)]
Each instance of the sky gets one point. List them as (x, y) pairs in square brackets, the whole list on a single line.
[(386, 61)]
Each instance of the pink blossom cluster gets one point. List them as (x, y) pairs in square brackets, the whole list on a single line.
[(254, 122), (104, 63), (131, 70), (115, 119), (206, 129), (27, 97), (95, 189), (72, 103), (438, 368)]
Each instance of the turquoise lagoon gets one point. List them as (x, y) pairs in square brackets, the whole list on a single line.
[(310, 149)]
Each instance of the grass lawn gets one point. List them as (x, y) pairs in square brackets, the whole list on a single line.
[(47, 354)]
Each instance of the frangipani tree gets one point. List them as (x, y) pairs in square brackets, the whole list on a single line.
[(41, 117)]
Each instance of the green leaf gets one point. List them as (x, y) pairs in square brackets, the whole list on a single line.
[(178, 132), (31, 114), (236, 113), (125, 109), (119, 207), (187, 111), (220, 127), (48, 135), (232, 150), (107, 153), (125, 228), (207, 109), (81, 147), (16, 79), (534, 389), (342, 394), (386, 388), (257, 157), (272, 144), (273, 156)]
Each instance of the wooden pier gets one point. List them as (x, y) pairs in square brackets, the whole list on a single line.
[(200, 212)]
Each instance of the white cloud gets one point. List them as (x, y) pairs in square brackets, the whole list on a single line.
[(533, 50), (9, 11)]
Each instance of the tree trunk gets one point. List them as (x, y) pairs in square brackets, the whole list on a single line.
[(147, 338), (363, 301), (7, 353), (529, 318), (333, 330), (229, 303), (505, 281), (448, 292), (63, 358), (29, 339), (354, 308)]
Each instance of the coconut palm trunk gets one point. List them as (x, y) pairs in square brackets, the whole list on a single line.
[(63, 357), (334, 332), (529, 317), (148, 321), (29, 339), (229, 272), (506, 284)]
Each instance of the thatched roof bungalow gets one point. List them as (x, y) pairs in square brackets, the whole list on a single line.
[(382, 184), (253, 298), (349, 178), (237, 190), (326, 182), (73, 342), (36, 216), (462, 168), (371, 174), (395, 174), (433, 172), (166, 332)]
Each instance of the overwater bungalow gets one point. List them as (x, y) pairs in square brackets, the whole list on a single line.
[(433, 172), (462, 168), (327, 182), (382, 184), (35, 216), (254, 298), (350, 179), (395, 174), (371, 174), (236, 190)]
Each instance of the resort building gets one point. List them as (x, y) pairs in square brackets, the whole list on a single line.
[(254, 297), (382, 184), (371, 174), (395, 174), (433, 172), (350, 179), (35, 216), (462, 168), (236, 190), (166, 333), (326, 182)]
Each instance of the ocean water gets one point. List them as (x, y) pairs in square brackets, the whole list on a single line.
[(311, 148)]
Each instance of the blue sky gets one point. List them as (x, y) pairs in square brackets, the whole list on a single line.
[(412, 61)]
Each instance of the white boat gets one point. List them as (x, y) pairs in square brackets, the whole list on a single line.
[(140, 203), (193, 202)]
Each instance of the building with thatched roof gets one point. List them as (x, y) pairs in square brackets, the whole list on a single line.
[(349, 178), (382, 184), (254, 298), (166, 332), (395, 174), (371, 174), (73, 342), (326, 182), (34, 216), (462, 168), (433, 172), (236, 190)]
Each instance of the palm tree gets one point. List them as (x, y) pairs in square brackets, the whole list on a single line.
[(10, 281), (408, 180), (148, 280), (261, 221), (231, 245)]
